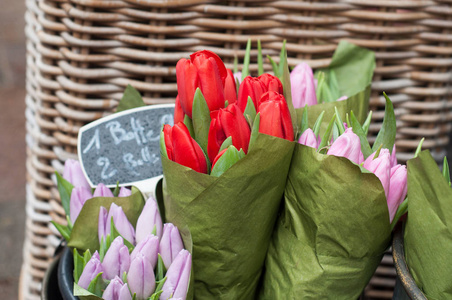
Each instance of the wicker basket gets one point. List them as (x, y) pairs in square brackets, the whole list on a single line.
[(83, 53)]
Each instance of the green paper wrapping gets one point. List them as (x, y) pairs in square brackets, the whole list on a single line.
[(332, 232), (231, 217), (428, 229), (354, 68), (84, 234)]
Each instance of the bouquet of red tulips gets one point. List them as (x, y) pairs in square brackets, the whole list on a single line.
[(246, 147)]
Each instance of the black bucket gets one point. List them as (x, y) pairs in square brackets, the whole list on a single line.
[(406, 287)]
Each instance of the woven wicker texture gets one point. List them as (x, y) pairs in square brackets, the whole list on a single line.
[(83, 53)]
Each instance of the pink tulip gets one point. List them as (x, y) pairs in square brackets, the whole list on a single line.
[(343, 98), (381, 167), (117, 290), (124, 192), (117, 259), (397, 189), (102, 191), (92, 269), (148, 220), (141, 278), (120, 220), (393, 157), (170, 245), (302, 86), (74, 174), (149, 247), (238, 76), (177, 277), (347, 145), (79, 196), (308, 138)]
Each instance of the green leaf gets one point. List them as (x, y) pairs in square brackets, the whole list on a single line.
[(387, 134), (358, 130), (285, 80), (333, 85), (83, 294), (227, 160), (349, 124), (63, 230), (254, 131), (367, 123), (130, 99), (339, 123), (188, 122), (304, 120), (323, 91), (327, 135), (446, 172), (274, 66), (260, 59), (282, 58), (250, 110), (226, 143), (79, 264), (226, 103), (377, 153), (419, 148), (201, 119), (116, 190), (335, 131), (160, 270), (97, 285), (163, 152), (246, 60), (318, 123), (86, 257), (65, 190)]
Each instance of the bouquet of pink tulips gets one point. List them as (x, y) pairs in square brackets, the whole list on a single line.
[(128, 253), (340, 198)]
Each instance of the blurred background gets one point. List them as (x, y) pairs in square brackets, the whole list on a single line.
[(12, 144)]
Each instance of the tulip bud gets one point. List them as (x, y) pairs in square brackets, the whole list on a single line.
[(74, 174), (124, 192), (92, 269), (148, 220), (179, 114), (381, 167), (141, 278), (102, 191), (120, 220), (230, 89), (183, 149), (347, 145), (170, 244), (393, 157), (79, 196), (206, 71), (275, 117), (228, 122), (271, 83), (308, 138), (250, 87), (238, 77), (149, 247), (177, 277), (102, 223), (117, 290), (302, 86), (397, 189), (116, 260)]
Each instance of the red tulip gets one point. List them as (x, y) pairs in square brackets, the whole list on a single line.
[(271, 83), (227, 122), (230, 89), (250, 87), (203, 70), (183, 149), (178, 112), (275, 117), (218, 157)]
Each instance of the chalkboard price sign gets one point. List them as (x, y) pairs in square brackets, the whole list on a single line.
[(124, 147)]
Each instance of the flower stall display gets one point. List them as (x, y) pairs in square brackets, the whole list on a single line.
[(428, 230), (121, 248), (335, 224)]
